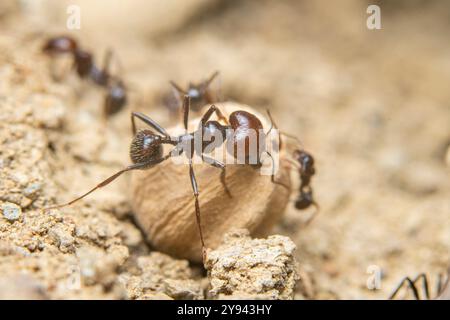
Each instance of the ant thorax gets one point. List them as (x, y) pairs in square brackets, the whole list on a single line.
[(214, 134)]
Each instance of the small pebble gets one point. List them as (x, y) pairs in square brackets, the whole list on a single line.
[(32, 190), (11, 211)]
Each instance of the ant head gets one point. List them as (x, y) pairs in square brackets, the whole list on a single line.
[(83, 62), (196, 93), (146, 145), (306, 161), (115, 99), (62, 44), (304, 200)]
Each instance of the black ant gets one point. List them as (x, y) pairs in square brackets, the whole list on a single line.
[(442, 290), (200, 94), (116, 95), (304, 162), (306, 171), (146, 148)]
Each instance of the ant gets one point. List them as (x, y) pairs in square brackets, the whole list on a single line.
[(304, 162), (146, 148), (200, 93), (116, 95), (442, 291), (306, 171)]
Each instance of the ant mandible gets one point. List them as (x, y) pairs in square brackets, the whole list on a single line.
[(200, 93), (146, 148), (116, 96)]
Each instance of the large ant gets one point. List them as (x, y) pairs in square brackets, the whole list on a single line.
[(146, 148), (200, 94), (442, 290), (116, 96)]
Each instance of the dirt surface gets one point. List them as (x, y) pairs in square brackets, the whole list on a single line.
[(245, 268), (372, 106)]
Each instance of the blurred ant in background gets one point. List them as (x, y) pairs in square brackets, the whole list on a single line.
[(83, 62), (442, 290), (200, 94)]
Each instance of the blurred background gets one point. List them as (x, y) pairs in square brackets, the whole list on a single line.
[(373, 107)]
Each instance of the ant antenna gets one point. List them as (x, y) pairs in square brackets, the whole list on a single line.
[(281, 133), (101, 184), (211, 78), (177, 87)]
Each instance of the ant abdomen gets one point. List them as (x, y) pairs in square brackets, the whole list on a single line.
[(304, 200), (115, 99), (145, 146), (245, 142)]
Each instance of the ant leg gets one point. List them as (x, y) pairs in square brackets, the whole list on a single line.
[(293, 138), (439, 284), (220, 165), (178, 92), (207, 115), (110, 179), (177, 88), (186, 107), (425, 285), (274, 125), (197, 205), (152, 123), (293, 163), (444, 286), (281, 133), (413, 287), (174, 106), (217, 96), (211, 78), (107, 60), (272, 176), (400, 285)]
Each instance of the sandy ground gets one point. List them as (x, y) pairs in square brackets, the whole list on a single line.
[(372, 106)]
